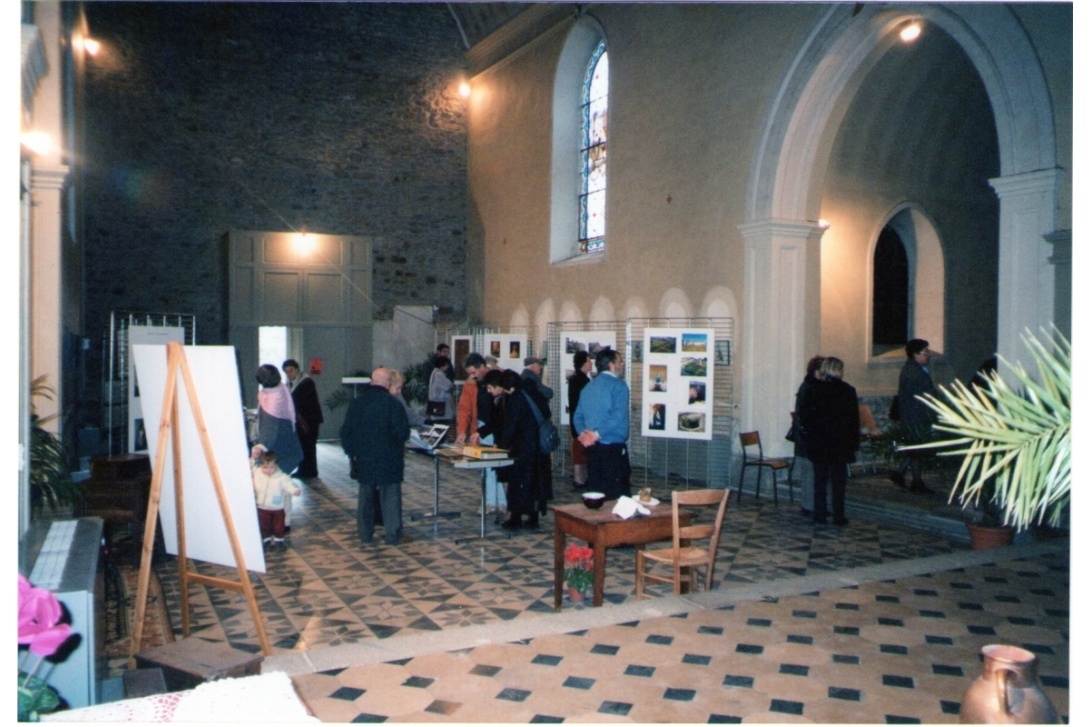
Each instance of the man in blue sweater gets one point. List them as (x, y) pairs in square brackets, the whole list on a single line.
[(602, 422)]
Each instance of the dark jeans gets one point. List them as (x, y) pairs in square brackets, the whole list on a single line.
[(829, 471), (389, 498), (308, 468), (608, 470)]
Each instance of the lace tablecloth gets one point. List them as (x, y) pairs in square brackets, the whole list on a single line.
[(263, 698)]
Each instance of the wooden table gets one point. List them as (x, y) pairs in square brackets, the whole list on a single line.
[(602, 529)]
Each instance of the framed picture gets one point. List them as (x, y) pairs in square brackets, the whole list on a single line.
[(460, 346)]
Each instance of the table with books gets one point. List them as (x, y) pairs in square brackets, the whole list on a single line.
[(482, 458), (429, 440)]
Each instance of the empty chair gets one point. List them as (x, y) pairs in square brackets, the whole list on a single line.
[(753, 456), (694, 546)]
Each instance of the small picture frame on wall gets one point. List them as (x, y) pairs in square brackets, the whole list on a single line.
[(722, 353)]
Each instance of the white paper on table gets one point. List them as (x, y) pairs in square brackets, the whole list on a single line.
[(626, 507)]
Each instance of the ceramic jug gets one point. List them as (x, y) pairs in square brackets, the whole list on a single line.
[(1007, 692)]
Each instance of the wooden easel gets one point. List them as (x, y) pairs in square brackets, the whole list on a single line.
[(169, 422)]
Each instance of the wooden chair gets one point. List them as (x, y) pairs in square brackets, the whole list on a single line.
[(751, 440), (694, 546)]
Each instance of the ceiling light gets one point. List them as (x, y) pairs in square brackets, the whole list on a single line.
[(911, 32), (464, 89), (37, 142)]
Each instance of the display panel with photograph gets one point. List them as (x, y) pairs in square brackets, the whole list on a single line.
[(460, 347), (571, 341), (677, 387)]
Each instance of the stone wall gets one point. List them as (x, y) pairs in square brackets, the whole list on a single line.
[(338, 118)]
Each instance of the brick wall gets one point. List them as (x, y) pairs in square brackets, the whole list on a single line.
[(342, 118)]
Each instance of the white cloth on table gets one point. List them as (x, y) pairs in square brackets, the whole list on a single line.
[(263, 698), (626, 507)]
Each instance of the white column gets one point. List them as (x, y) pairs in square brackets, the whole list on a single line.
[(1061, 263), (46, 189), (1027, 280), (782, 323)]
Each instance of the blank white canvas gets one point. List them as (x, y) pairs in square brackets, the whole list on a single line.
[(215, 377)]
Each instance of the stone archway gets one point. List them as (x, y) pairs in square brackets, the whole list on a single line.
[(781, 232)]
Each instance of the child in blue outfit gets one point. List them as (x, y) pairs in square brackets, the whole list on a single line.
[(270, 485)]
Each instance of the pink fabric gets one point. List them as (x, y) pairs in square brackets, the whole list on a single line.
[(277, 402)]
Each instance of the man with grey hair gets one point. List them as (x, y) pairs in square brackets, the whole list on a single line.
[(534, 368), (373, 436)]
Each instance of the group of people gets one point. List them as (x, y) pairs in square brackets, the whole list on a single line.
[(825, 429), (503, 408), (284, 447), (496, 407)]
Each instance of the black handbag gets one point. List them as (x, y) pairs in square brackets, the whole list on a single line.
[(549, 437)]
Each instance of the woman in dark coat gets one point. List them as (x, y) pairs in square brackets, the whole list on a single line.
[(527, 490), (830, 415)]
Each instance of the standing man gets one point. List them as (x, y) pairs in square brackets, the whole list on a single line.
[(373, 436), (915, 418), (308, 417), (602, 422), (534, 368)]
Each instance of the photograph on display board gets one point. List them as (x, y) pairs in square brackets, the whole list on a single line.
[(722, 353), (694, 366), (462, 346), (662, 344), (494, 347), (657, 376), (691, 421), (516, 349), (657, 417), (677, 384), (694, 343)]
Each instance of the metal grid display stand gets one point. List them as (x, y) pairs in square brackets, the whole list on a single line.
[(115, 377), (658, 462)]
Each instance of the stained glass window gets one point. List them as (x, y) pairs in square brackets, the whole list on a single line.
[(592, 192)]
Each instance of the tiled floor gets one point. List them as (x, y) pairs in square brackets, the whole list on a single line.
[(887, 651), (451, 627)]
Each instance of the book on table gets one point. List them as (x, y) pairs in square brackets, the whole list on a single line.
[(428, 437), (477, 451)]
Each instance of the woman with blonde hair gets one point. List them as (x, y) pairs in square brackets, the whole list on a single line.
[(830, 415)]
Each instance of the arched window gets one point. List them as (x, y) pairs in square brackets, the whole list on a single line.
[(908, 291), (592, 188), (577, 223), (889, 324)]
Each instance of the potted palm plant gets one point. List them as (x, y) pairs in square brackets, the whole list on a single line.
[(1015, 442), (51, 485)]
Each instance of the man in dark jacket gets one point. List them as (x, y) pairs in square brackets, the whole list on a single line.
[(308, 417), (915, 417), (373, 436)]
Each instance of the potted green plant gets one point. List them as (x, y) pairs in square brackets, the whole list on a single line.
[(1015, 443), (51, 485)]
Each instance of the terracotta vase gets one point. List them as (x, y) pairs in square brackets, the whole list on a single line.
[(575, 595), (982, 537), (1007, 692)]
